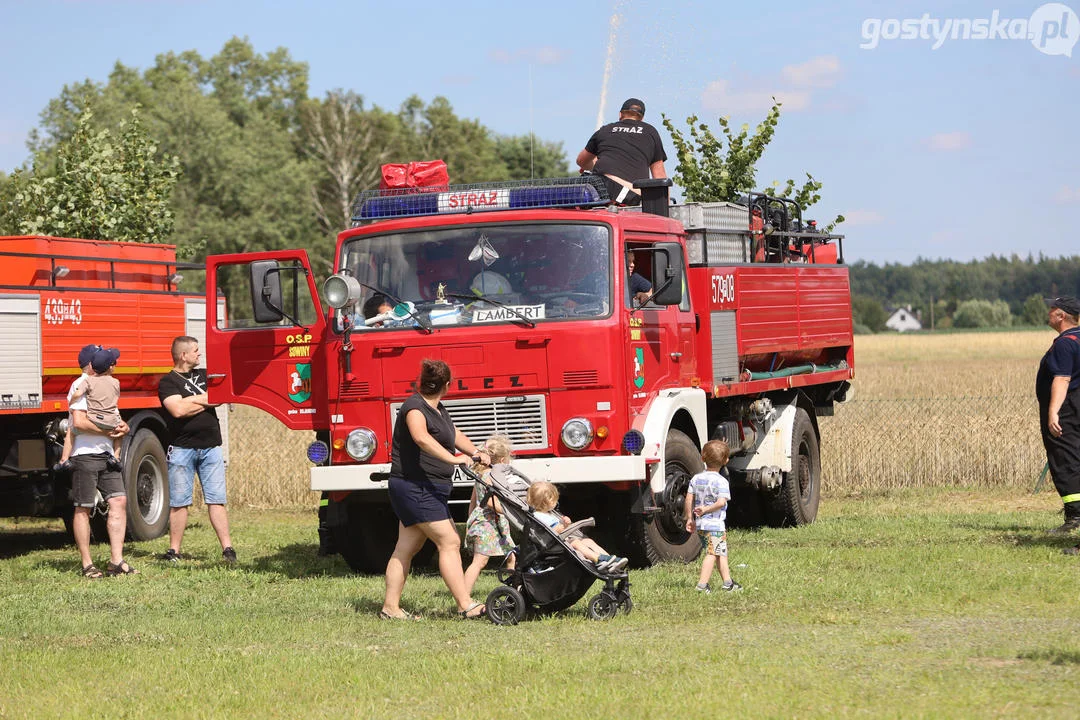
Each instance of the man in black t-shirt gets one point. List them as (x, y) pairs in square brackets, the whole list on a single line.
[(625, 152), (1057, 388), (195, 448)]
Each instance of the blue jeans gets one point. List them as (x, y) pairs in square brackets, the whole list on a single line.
[(184, 463)]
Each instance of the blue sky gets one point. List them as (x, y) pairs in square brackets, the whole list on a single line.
[(958, 152)]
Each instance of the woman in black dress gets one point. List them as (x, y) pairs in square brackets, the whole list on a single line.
[(422, 465)]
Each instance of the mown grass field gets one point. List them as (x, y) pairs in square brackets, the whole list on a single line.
[(927, 603), (927, 588)]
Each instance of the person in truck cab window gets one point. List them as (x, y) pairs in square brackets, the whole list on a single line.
[(624, 152), (377, 304), (640, 287)]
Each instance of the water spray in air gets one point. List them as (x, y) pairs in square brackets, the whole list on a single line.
[(608, 62)]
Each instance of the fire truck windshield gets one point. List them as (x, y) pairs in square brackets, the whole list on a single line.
[(530, 273)]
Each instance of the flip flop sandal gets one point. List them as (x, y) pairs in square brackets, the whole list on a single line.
[(464, 614), (121, 568), (90, 572), (383, 615)]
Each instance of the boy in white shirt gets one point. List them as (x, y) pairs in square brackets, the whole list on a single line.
[(706, 512)]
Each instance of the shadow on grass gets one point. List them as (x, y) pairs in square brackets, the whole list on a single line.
[(1054, 656), (14, 544), (1017, 534), (299, 560)]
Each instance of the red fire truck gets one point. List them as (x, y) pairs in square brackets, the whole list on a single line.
[(522, 288), (57, 295)]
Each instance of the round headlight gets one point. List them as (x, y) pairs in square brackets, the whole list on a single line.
[(341, 290), (577, 433), (361, 444)]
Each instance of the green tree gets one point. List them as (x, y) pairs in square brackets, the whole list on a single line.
[(347, 144), (8, 224), (982, 314), (99, 187), (434, 132), (708, 173), (527, 157), (1034, 311), (867, 311)]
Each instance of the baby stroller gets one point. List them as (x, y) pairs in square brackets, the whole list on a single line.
[(549, 575)]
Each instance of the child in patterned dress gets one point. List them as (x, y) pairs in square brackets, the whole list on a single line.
[(487, 533)]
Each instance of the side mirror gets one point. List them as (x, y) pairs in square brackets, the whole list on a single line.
[(266, 291), (667, 273)]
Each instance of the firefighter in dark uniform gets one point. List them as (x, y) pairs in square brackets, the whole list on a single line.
[(624, 152), (1057, 387)]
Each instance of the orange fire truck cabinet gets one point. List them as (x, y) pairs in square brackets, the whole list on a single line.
[(56, 296), (735, 324)]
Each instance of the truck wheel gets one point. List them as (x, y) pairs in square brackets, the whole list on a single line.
[(365, 535), (146, 480), (664, 537), (796, 502)]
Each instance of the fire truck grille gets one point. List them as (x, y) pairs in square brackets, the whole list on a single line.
[(580, 377), (522, 418)]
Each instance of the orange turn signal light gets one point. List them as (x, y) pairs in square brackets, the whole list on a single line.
[(602, 432), (339, 443)]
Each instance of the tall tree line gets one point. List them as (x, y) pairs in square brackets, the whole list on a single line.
[(943, 286), (261, 165)]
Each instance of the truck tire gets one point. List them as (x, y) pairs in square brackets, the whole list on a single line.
[(146, 480), (663, 536), (796, 502), (365, 536)]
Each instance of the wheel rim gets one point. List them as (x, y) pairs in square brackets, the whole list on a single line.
[(604, 606), (503, 608), (148, 490), (671, 524), (806, 479)]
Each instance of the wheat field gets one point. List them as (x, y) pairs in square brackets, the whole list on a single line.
[(948, 410)]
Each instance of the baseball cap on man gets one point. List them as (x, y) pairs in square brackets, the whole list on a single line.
[(86, 355), (104, 359), (634, 105), (1069, 304)]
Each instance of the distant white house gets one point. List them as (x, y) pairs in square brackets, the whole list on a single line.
[(903, 320)]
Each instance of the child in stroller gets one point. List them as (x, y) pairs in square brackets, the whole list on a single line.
[(542, 498), (550, 575)]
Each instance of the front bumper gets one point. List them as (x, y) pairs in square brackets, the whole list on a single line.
[(620, 468)]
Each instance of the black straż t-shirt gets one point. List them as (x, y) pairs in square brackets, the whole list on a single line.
[(407, 460), (200, 431), (626, 149)]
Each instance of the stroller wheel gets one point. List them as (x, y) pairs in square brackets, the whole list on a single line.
[(626, 604), (603, 607), (505, 605)]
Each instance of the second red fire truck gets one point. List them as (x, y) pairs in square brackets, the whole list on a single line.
[(523, 289)]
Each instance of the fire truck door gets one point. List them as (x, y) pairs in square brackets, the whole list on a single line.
[(655, 344), (268, 349)]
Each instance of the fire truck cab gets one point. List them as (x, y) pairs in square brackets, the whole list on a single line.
[(524, 289)]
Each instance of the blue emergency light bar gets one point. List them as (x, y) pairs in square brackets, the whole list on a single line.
[(583, 191)]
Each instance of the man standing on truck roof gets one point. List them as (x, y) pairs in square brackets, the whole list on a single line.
[(195, 448), (624, 152), (1057, 388), (91, 450)]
